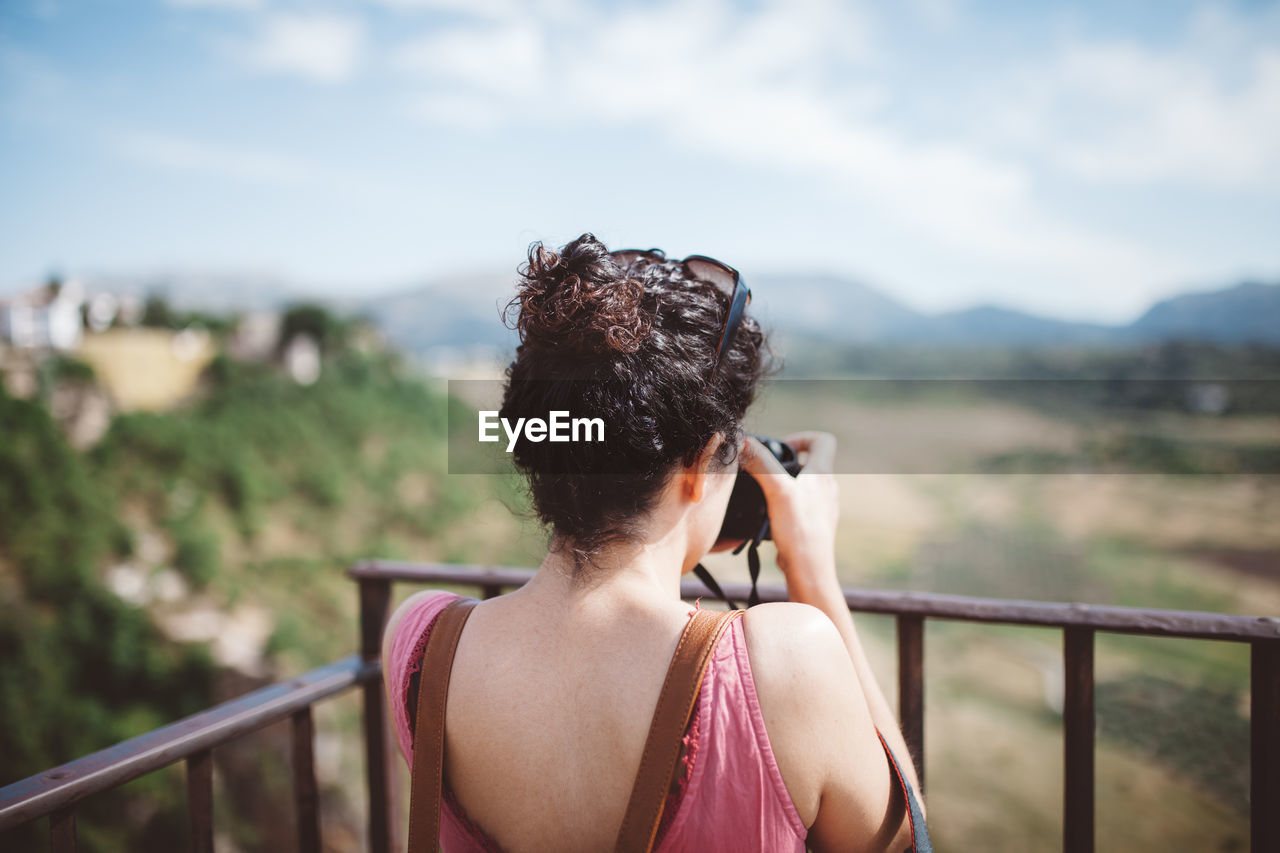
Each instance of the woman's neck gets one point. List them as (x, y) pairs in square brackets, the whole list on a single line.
[(624, 575)]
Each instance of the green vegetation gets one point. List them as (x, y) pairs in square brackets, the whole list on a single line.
[(197, 552), (79, 669), (332, 333), (259, 493), (157, 313), (64, 368), (1193, 729)]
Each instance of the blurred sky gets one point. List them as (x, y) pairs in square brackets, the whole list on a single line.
[(1074, 159)]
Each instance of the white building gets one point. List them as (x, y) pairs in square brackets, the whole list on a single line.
[(49, 316)]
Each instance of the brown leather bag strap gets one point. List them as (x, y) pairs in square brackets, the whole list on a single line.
[(427, 779), (670, 718)]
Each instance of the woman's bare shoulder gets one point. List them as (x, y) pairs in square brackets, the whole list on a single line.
[(805, 683), (792, 642), (820, 727)]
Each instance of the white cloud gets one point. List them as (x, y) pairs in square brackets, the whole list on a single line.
[(938, 15), (325, 48), (804, 87), (495, 9), (1205, 113), (215, 4), (457, 111), (506, 60), (176, 153), (181, 154), (789, 87)]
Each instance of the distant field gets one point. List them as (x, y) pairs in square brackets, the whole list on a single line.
[(1173, 747)]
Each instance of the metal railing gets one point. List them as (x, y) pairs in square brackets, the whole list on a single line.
[(54, 793)]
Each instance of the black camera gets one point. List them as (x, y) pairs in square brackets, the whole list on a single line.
[(747, 516)]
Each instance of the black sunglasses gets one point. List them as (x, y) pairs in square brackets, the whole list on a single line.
[(720, 274)]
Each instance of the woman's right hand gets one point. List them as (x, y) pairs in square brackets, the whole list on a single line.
[(803, 511)]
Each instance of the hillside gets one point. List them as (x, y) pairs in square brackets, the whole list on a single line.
[(191, 556)]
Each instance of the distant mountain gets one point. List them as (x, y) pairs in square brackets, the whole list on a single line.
[(830, 307), (854, 313), (1246, 313), (466, 311), (463, 313), (989, 324)]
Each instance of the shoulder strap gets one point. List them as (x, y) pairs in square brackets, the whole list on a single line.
[(670, 718), (920, 842), (427, 779)]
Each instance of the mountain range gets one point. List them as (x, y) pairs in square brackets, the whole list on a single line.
[(1245, 313), (464, 313)]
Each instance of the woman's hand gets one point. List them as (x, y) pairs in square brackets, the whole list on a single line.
[(803, 511)]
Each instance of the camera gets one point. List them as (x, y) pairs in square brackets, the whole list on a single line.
[(747, 516)]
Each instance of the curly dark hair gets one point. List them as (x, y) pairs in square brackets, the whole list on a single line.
[(634, 347)]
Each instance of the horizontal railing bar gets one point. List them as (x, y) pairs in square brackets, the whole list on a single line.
[(1119, 620), (53, 789), (60, 787)]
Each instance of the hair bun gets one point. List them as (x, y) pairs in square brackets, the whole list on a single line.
[(579, 301)]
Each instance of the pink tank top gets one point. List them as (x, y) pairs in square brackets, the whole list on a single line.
[(732, 799)]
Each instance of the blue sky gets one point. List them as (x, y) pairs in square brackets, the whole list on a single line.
[(1073, 159)]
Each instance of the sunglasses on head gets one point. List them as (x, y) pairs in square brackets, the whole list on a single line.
[(720, 274)]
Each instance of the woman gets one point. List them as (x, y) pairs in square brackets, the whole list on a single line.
[(554, 684)]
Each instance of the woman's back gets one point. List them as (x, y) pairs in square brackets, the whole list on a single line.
[(545, 729), (554, 685)]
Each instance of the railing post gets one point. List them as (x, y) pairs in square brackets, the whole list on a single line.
[(490, 590), (375, 601), (911, 687), (1078, 730), (1264, 731), (200, 801), (62, 830), (305, 794)]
